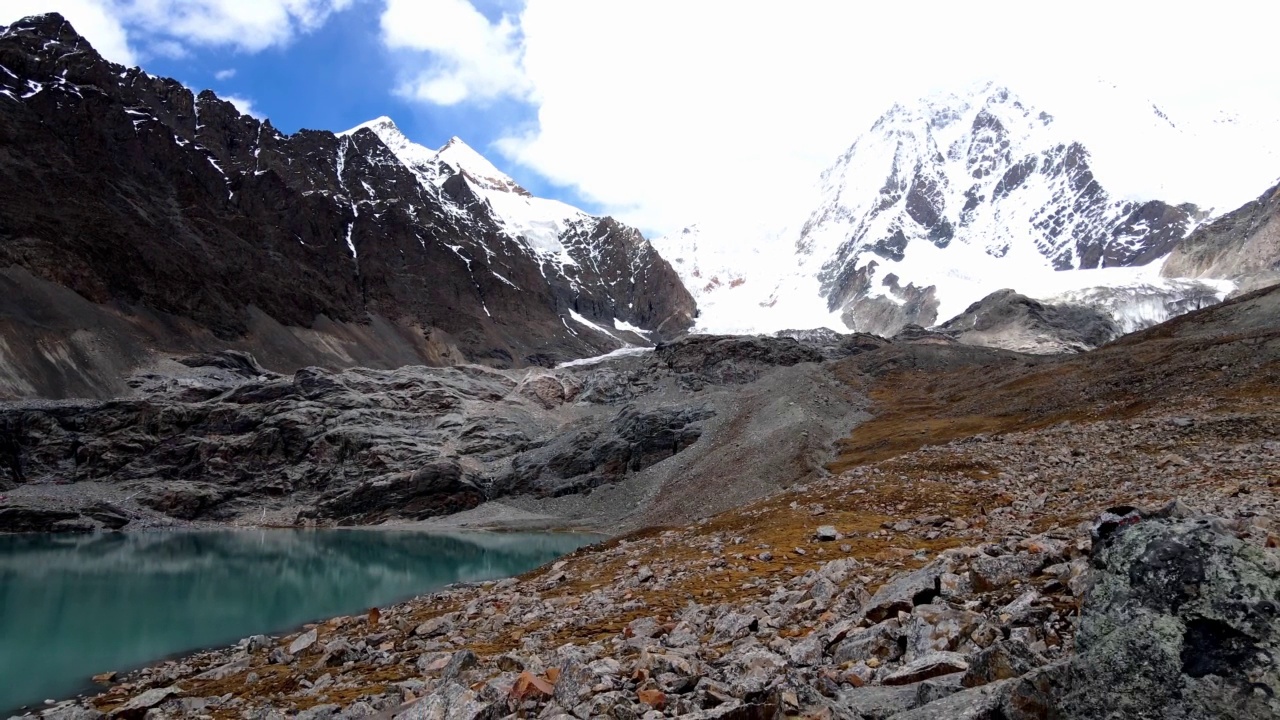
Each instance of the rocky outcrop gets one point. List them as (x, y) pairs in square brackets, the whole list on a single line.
[(221, 437), (184, 226), (1242, 245), (1183, 621), (1007, 320)]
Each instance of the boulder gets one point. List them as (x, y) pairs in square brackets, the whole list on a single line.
[(1002, 661), (138, 705), (906, 591), (928, 666), (879, 641), (1182, 621), (935, 627), (992, 573)]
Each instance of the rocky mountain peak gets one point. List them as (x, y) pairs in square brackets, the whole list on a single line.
[(463, 158), (53, 28), (307, 249), (983, 176)]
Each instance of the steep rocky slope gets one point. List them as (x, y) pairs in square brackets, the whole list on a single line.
[(1243, 245), (188, 226)]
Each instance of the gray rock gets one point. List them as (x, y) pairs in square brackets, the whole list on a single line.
[(807, 652), (257, 642), (1005, 319), (303, 641), (575, 683), (433, 626), (937, 627), (1004, 660), (224, 671), (934, 689), (450, 702), (879, 641), (926, 667), (983, 703), (606, 705), (733, 626), (138, 706), (319, 712), (906, 591), (827, 533), (461, 661), (71, 711), (754, 671), (357, 710), (992, 573), (875, 702), (1183, 621)]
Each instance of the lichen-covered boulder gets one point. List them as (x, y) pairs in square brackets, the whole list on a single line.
[(1183, 621)]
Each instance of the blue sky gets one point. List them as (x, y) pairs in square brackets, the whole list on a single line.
[(341, 75)]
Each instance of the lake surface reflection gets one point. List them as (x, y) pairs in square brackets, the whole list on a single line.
[(74, 606)]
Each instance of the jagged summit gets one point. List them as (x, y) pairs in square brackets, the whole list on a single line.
[(314, 248), (51, 26)]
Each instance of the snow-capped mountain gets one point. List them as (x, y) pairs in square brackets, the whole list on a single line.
[(213, 229), (938, 204), (541, 225), (586, 253)]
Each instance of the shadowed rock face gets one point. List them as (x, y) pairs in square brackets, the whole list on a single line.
[(180, 221)]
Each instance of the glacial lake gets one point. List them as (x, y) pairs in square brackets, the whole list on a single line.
[(75, 606)]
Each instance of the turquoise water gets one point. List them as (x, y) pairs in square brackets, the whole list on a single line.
[(75, 606)]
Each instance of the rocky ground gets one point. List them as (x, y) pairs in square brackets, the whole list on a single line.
[(220, 440), (1012, 538), (937, 576)]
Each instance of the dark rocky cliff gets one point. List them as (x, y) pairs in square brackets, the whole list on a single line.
[(180, 224)]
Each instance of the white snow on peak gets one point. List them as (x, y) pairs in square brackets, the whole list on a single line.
[(538, 223), (418, 158), (461, 156), (997, 174)]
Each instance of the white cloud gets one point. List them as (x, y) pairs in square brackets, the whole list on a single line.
[(250, 25), (453, 53), (168, 48), (668, 112), (224, 75), (243, 104), (93, 19), (166, 27)]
